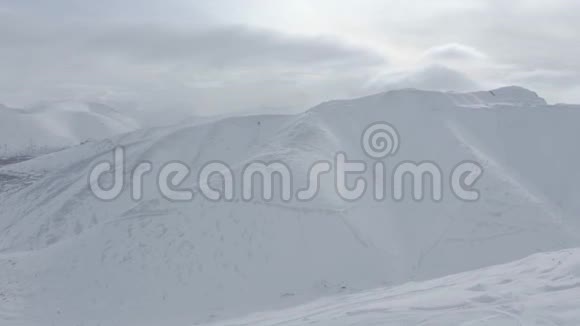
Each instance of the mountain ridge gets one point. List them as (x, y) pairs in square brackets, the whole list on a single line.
[(178, 263)]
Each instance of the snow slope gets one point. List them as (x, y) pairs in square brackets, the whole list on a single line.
[(53, 126), (69, 258), (539, 290)]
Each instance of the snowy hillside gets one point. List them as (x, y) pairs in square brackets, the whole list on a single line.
[(49, 127), (69, 258), (539, 290)]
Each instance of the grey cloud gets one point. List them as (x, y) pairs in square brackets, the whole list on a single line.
[(430, 77), (235, 46), (531, 43), (543, 78), (108, 11), (454, 51), (188, 51), (219, 46), (530, 34), (42, 59)]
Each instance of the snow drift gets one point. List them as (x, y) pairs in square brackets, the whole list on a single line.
[(539, 290)]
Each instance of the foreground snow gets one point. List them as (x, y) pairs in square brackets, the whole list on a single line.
[(543, 289)]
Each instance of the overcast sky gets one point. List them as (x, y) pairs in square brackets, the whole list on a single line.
[(222, 56)]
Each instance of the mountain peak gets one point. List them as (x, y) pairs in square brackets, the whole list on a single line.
[(516, 91), (509, 95)]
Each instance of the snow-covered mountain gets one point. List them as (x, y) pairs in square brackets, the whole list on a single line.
[(54, 126), (70, 258)]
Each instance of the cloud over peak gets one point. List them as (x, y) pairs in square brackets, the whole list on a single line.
[(435, 77), (454, 51)]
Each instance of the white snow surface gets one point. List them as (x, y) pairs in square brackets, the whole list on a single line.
[(67, 258), (538, 290), (54, 126)]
